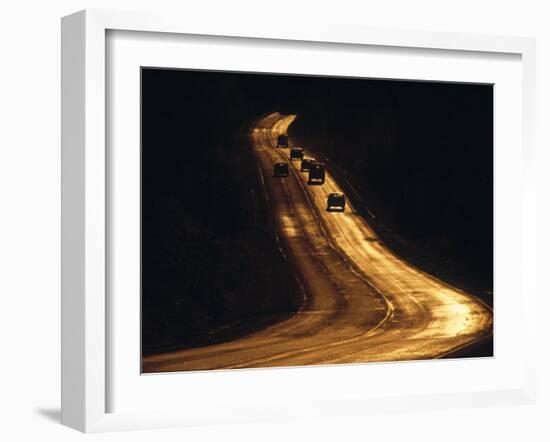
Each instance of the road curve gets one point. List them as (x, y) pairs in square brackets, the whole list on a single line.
[(361, 302)]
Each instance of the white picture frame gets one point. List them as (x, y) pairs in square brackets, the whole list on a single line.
[(85, 201)]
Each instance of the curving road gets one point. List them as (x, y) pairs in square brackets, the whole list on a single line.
[(361, 302)]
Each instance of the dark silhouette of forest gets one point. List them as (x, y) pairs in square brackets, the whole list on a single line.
[(420, 157), (211, 269)]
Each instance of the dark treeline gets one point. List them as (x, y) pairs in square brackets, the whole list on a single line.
[(419, 155), (210, 265)]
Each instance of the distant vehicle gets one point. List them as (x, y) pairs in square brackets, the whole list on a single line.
[(316, 173), (306, 163), (296, 153), (336, 201), (282, 140), (280, 169)]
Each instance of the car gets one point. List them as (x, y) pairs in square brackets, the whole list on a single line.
[(296, 153), (306, 163), (336, 201), (282, 140), (280, 169), (316, 173)]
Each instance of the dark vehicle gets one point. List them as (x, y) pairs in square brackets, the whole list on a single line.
[(282, 140), (296, 153), (306, 164), (316, 174), (336, 201), (280, 169)]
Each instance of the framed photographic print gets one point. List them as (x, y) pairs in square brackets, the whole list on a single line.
[(280, 222)]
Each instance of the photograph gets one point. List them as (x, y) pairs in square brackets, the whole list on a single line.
[(302, 220)]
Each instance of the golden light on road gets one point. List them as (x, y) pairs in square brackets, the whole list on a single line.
[(362, 302)]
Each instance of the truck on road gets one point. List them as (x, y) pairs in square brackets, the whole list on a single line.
[(316, 173), (282, 140), (280, 169), (306, 164), (336, 201), (296, 153)]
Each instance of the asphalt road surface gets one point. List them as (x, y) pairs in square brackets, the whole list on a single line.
[(361, 302)]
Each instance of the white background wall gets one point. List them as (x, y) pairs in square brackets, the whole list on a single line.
[(30, 220)]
